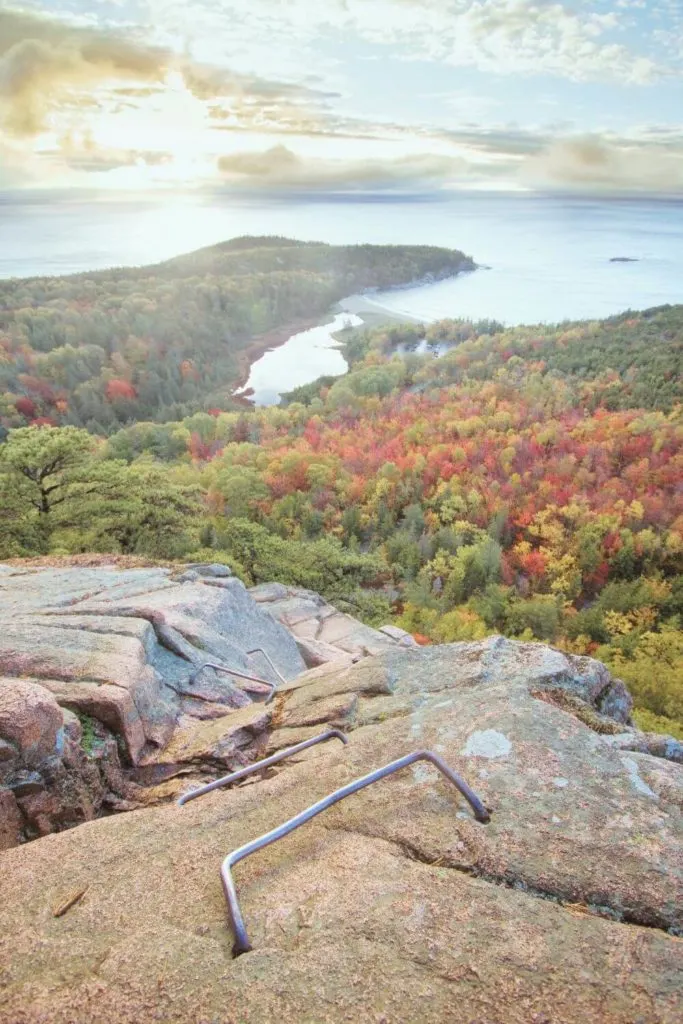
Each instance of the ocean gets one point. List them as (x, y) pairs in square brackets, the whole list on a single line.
[(549, 257)]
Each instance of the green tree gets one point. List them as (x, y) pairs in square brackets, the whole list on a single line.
[(44, 461), (539, 615), (653, 670), (242, 488), (322, 565), (134, 509), (22, 530)]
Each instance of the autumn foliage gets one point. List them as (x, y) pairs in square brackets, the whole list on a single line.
[(462, 480), (117, 390)]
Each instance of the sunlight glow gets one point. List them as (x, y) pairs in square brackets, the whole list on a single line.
[(446, 94)]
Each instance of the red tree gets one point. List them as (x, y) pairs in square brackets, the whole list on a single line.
[(118, 389), (25, 407)]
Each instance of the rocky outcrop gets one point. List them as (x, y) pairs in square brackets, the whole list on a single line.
[(47, 779), (394, 905), (30, 721), (128, 651), (322, 633)]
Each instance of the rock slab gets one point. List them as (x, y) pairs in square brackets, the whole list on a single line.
[(394, 905), (126, 650)]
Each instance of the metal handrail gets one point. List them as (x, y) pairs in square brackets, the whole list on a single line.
[(242, 944), (242, 773)]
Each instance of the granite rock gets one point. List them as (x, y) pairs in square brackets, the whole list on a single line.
[(393, 905)]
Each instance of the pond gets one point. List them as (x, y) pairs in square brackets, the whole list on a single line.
[(424, 348), (302, 359)]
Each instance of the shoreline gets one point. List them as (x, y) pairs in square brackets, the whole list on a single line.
[(360, 304), (372, 314), (262, 344), (375, 314)]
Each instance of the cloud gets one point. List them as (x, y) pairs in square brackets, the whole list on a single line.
[(208, 83), (67, 162), (499, 141), (497, 36), (45, 63), (649, 163), (524, 36), (281, 168), (593, 163), (85, 83), (81, 152)]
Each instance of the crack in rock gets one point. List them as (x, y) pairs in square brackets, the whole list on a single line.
[(597, 906)]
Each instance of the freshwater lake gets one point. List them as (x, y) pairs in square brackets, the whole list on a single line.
[(305, 357)]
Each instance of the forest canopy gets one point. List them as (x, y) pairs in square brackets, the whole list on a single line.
[(461, 480)]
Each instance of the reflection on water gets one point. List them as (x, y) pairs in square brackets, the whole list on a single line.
[(302, 359)]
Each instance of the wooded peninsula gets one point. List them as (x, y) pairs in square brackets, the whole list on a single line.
[(161, 342)]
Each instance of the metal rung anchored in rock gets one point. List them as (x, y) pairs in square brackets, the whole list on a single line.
[(245, 675), (258, 766), (242, 944), (276, 670), (234, 672)]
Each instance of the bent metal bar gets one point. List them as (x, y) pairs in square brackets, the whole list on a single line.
[(242, 944), (258, 766)]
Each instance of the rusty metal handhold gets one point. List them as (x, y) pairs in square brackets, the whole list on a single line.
[(242, 773), (245, 675), (242, 944)]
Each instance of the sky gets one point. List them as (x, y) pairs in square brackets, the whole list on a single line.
[(342, 96)]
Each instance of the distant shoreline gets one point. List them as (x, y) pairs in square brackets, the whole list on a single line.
[(375, 314)]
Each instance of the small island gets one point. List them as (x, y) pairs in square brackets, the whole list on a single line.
[(624, 259)]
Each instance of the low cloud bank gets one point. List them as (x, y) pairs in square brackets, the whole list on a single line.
[(586, 163), (592, 163), (280, 167)]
